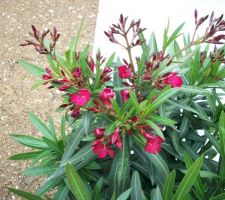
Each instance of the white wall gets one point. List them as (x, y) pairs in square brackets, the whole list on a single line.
[(153, 14)]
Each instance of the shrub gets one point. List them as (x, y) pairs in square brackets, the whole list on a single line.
[(148, 127)]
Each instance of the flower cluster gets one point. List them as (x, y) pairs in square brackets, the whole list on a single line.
[(102, 146), (88, 84)]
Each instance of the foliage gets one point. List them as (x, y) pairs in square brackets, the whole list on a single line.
[(152, 127)]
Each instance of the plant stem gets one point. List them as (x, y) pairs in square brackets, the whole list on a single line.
[(199, 41), (128, 48)]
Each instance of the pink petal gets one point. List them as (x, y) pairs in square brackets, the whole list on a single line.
[(110, 152)]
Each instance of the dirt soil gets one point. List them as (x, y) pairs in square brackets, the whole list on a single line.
[(16, 97)]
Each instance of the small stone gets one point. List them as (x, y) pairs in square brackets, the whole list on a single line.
[(28, 180), (80, 16)]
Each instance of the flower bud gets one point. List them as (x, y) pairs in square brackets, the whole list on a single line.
[(99, 132), (75, 113), (77, 72), (63, 87), (125, 95)]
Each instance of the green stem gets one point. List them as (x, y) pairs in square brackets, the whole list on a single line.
[(129, 54), (199, 41)]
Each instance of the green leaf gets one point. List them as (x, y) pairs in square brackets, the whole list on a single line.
[(54, 146), (135, 101), (74, 42), (39, 170), (155, 128), (37, 84), (161, 166), (86, 122), (117, 81), (168, 186), (193, 90), (63, 131), (76, 184), (162, 120), (40, 126), (125, 195), (153, 44), (25, 156), (54, 66), (25, 195), (188, 180), (123, 161), (97, 190), (136, 192), (62, 193), (218, 197), (76, 160), (198, 184), (36, 70), (174, 35), (156, 194), (29, 141), (222, 134), (75, 138), (160, 100), (110, 60), (165, 68)]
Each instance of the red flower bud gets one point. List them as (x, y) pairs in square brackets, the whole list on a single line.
[(93, 109), (135, 119), (107, 70), (115, 138), (63, 87), (77, 72), (46, 76), (99, 132), (125, 95), (91, 64), (173, 80), (48, 70), (81, 97), (75, 113), (149, 64), (124, 71)]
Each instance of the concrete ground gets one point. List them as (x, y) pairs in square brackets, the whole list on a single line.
[(16, 97)]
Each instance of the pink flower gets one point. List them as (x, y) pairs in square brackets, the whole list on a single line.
[(102, 150), (115, 138), (81, 97), (173, 80), (124, 71), (125, 95), (99, 132), (105, 97), (153, 144), (77, 72)]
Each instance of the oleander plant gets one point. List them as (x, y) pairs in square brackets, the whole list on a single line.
[(141, 127)]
